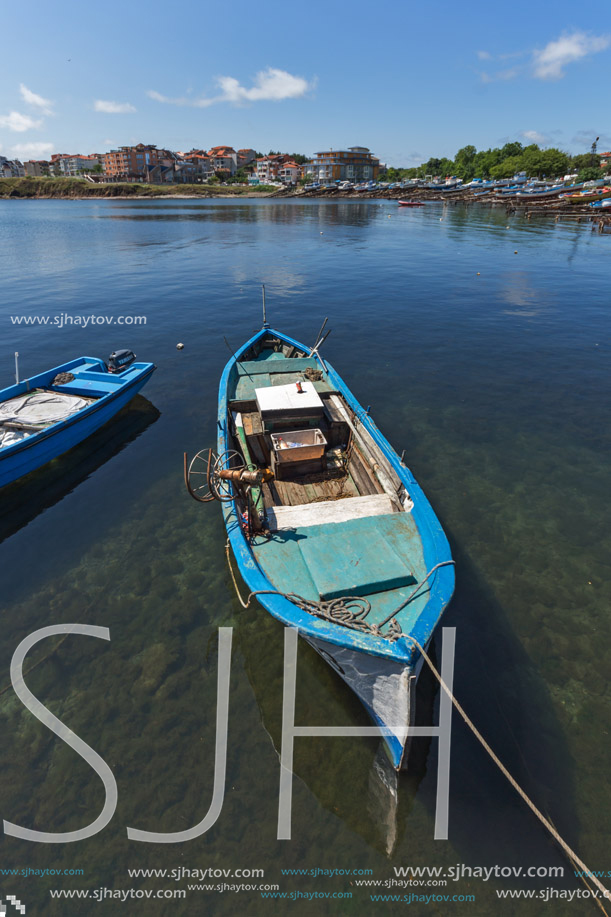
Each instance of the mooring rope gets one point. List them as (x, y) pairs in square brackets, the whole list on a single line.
[(321, 611), (537, 812)]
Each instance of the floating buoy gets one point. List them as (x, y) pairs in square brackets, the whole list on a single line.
[(322, 233), (516, 252), (478, 274), (180, 347)]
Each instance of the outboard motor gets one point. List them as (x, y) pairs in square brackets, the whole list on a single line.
[(120, 360)]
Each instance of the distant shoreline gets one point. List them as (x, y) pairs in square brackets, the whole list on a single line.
[(78, 190)]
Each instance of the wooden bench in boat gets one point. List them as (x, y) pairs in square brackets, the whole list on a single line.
[(329, 511)]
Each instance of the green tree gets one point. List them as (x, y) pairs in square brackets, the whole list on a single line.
[(585, 161), (589, 174), (555, 162), (507, 168), (464, 163), (511, 149)]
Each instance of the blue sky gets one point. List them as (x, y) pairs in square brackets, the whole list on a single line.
[(408, 81)]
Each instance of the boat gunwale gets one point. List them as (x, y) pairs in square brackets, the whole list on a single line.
[(60, 426), (435, 547)]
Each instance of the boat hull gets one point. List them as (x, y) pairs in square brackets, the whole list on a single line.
[(387, 690), (38, 449), (382, 672)]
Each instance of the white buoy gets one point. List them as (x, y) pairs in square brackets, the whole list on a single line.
[(180, 347)]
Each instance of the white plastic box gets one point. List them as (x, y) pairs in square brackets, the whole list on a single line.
[(299, 446)]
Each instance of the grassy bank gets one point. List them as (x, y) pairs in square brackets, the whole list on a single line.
[(77, 187)]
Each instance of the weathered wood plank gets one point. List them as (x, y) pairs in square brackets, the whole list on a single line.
[(332, 511), (364, 479)]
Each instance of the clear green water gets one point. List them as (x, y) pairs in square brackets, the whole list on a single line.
[(497, 386)]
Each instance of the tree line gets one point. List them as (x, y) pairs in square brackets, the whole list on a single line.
[(504, 162)]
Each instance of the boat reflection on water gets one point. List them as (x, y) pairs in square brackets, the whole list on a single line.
[(350, 777), (26, 498)]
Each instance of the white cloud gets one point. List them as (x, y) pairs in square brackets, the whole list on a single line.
[(37, 101), (270, 85), (17, 122), (159, 98), (533, 136), (509, 74), (32, 150), (113, 108), (273, 85), (549, 63)]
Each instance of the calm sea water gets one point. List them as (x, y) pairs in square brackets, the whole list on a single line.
[(481, 342)]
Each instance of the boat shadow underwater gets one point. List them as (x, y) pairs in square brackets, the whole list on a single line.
[(24, 499)]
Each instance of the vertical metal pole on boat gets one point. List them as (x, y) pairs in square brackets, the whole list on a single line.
[(17, 367), (265, 325)]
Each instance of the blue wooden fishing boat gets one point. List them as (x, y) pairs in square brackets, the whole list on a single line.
[(45, 416), (328, 526)]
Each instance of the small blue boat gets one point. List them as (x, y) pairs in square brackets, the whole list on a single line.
[(45, 416), (326, 523)]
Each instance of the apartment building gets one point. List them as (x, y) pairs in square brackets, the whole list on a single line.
[(268, 167), (355, 164), (37, 168), (289, 173), (245, 157), (192, 167), (132, 163), (223, 159), (66, 165), (11, 168)]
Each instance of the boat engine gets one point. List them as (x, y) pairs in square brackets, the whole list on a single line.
[(120, 360)]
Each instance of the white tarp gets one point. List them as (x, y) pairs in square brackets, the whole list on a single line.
[(37, 409), (8, 437), (41, 408)]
